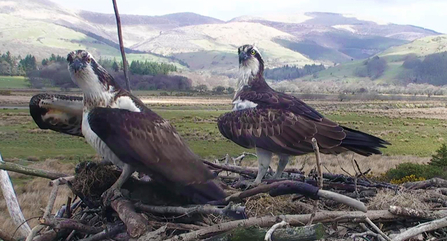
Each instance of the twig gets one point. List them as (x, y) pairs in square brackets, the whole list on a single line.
[(120, 38), (320, 177), (318, 159), (232, 168), (377, 229), (11, 202), (268, 235), (424, 227), (159, 234), (30, 171)]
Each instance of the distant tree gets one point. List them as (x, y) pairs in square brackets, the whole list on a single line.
[(376, 66), (28, 63), (230, 90), (219, 89), (292, 72), (411, 62), (115, 66), (201, 88)]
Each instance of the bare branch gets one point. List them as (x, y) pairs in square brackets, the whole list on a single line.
[(421, 228), (30, 171), (268, 235), (120, 39)]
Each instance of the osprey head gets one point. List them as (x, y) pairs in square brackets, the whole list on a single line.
[(78, 60), (88, 74), (250, 59)]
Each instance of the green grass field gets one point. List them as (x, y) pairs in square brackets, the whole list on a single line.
[(13, 82), (21, 138)]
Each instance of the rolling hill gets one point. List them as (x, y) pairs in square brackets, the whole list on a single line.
[(200, 43), (395, 57)]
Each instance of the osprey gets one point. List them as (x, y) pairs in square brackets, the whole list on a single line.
[(124, 131), (61, 113), (278, 123)]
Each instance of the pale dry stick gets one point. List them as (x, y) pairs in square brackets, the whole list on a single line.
[(320, 176), (30, 171), (377, 229), (11, 202), (47, 212), (268, 235), (421, 228)]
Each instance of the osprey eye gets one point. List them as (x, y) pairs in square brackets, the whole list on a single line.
[(253, 52)]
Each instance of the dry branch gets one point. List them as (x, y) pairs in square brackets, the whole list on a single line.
[(202, 209), (70, 224), (30, 171), (109, 232), (120, 38), (421, 228), (11, 202), (433, 182)]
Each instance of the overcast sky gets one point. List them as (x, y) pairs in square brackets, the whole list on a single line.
[(429, 14)]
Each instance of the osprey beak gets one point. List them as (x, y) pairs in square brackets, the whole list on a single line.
[(242, 57), (77, 65)]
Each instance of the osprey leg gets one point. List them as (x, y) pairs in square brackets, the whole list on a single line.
[(283, 160), (115, 190), (264, 158)]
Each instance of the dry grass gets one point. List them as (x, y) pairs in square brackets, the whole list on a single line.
[(33, 193), (409, 199), (333, 164)]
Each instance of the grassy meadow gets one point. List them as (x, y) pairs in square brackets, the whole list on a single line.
[(415, 129), (13, 82)]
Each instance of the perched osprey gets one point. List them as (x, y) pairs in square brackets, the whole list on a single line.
[(278, 123), (123, 130), (61, 113)]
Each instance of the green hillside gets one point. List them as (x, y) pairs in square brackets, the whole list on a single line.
[(394, 56)]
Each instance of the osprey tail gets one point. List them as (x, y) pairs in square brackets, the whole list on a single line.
[(362, 143)]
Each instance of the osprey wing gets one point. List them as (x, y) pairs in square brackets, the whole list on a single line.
[(146, 139), (61, 113)]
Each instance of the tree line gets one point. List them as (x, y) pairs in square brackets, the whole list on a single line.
[(431, 70), (52, 72), (287, 72)]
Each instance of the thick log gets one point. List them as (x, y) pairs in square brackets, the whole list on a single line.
[(433, 182), (202, 209), (135, 223), (11, 202), (306, 233)]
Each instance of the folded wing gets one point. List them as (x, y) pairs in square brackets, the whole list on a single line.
[(145, 139)]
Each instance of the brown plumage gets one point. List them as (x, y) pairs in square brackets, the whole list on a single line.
[(279, 123)]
